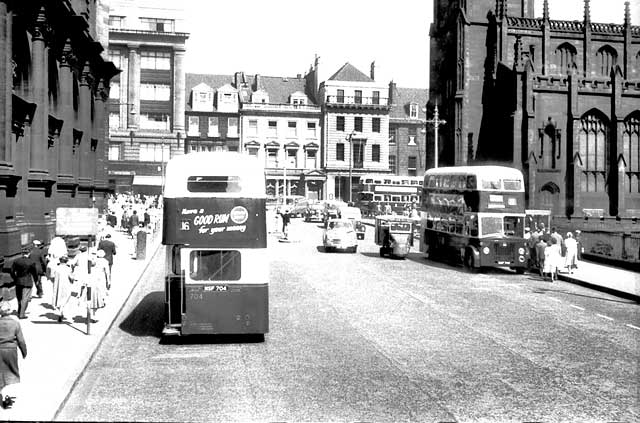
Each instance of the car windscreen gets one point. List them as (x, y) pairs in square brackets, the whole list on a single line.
[(339, 225)]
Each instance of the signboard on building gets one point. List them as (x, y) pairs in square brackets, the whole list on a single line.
[(76, 221)]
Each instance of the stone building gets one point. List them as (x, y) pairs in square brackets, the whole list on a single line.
[(279, 123), (407, 131), (558, 99), (355, 129), (53, 96), (146, 105)]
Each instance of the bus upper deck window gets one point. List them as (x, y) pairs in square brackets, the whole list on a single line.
[(491, 184), (214, 184)]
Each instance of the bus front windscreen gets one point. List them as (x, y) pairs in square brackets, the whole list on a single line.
[(502, 226)]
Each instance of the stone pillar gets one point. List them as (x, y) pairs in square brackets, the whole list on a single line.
[(85, 176), (38, 90), (6, 82), (178, 90), (133, 88), (100, 106), (66, 178), (586, 43)]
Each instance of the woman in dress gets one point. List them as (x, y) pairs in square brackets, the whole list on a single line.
[(571, 256), (97, 284), (62, 286), (552, 258), (11, 339)]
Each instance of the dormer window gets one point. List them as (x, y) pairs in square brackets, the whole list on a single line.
[(413, 110), (298, 99)]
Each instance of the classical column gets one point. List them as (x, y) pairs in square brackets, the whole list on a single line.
[(38, 93), (84, 125), (178, 90), (6, 82), (66, 178), (133, 90), (100, 104)]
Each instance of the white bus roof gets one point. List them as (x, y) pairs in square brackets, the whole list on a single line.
[(504, 172), (247, 168)]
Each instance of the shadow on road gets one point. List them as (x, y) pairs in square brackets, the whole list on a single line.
[(213, 339), (146, 319)]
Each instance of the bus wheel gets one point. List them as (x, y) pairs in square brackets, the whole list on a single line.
[(519, 270), (381, 252)]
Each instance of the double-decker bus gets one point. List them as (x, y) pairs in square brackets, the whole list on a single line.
[(215, 235), (381, 194), (475, 214)]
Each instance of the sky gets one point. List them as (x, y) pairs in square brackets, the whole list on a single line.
[(282, 37)]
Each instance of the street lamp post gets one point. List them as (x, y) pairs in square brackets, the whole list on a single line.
[(350, 139), (436, 122)]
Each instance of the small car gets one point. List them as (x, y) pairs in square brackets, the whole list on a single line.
[(315, 211), (340, 234)]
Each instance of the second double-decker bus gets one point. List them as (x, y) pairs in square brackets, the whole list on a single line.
[(383, 194), (215, 234), (475, 214)]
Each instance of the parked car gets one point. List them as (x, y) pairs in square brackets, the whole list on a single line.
[(340, 234)]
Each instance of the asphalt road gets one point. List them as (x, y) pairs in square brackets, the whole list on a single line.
[(356, 337)]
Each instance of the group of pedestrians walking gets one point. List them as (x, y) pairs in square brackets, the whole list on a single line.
[(551, 253)]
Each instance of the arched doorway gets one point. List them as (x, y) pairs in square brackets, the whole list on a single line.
[(550, 198)]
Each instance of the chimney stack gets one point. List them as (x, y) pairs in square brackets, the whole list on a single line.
[(373, 70)]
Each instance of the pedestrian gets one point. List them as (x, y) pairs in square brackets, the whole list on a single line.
[(102, 271), (552, 258), (558, 238), (57, 248), (134, 222), (579, 242), (24, 274), (62, 286), (285, 221), (147, 218), (38, 256), (11, 339), (541, 246), (109, 247), (544, 233), (571, 253), (95, 287)]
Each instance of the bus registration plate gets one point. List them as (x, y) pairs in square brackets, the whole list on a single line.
[(215, 288)]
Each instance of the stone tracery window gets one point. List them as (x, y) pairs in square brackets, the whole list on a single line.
[(631, 152), (593, 139), (607, 58), (565, 58)]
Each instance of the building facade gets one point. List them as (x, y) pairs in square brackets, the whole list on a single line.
[(408, 153), (272, 118), (53, 95), (147, 99), (355, 129), (558, 99)]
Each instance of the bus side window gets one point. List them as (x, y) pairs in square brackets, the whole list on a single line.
[(471, 182), (473, 226)]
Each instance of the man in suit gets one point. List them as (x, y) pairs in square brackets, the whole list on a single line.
[(24, 273), (38, 256), (109, 248)]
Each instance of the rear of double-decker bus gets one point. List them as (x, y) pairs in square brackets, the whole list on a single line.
[(214, 230)]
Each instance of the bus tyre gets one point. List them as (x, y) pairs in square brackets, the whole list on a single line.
[(381, 252), (519, 270)]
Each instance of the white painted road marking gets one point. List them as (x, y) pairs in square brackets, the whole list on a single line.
[(632, 326), (605, 317), (575, 306)]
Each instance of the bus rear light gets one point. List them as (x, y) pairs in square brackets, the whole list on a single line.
[(486, 250), (521, 250), (521, 259)]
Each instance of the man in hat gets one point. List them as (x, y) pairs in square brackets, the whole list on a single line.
[(38, 256), (24, 273)]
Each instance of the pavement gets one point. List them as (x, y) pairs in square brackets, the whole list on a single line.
[(57, 353)]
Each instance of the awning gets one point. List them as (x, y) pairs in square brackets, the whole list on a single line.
[(155, 181)]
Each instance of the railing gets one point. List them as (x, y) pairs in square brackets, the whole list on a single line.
[(269, 106), (357, 100)]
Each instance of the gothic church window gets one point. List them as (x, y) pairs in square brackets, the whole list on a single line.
[(565, 58), (631, 151), (593, 139), (607, 57)]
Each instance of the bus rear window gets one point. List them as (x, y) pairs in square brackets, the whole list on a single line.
[(215, 265), (213, 184)]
